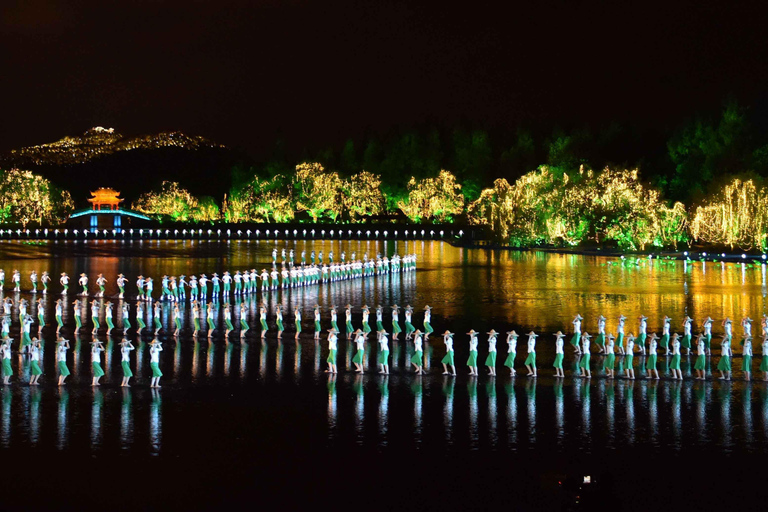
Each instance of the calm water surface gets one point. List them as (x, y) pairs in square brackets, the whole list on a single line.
[(266, 411)]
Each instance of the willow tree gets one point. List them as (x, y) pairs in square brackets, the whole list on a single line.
[(437, 199), (736, 216), (170, 201), (261, 200), (362, 195), (318, 192), (26, 197)]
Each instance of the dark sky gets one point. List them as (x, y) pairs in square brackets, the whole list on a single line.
[(245, 72)]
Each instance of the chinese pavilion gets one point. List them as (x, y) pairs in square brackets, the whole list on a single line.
[(105, 213)]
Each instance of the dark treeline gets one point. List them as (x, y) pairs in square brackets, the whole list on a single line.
[(684, 161)]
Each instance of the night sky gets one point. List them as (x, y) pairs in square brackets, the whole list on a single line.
[(244, 73)]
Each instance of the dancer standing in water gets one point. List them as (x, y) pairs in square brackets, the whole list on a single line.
[(78, 316), (383, 352), (417, 359), (34, 365), (195, 317), (332, 348), (686, 341), (584, 368), (62, 346), (427, 324), (108, 317), (59, 309), (297, 321), (176, 320), (64, 281), (40, 315), (701, 359), (643, 330), (628, 366), (155, 347), (156, 317), (209, 319), (448, 359), (764, 359), (45, 279), (472, 361), (610, 358), (576, 339), (490, 361), (279, 320), (600, 340), (126, 317), (724, 365), (95, 310), (675, 366), (620, 334), (746, 358), (509, 362), (395, 322), (664, 341), (243, 320), (121, 280), (125, 361), (650, 364), (100, 282), (409, 328), (366, 316), (530, 361), (707, 326), (140, 318), (358, 360), (379, 318), (558, 364), (5, 348), (83, 281), (263, 320), (227, 320), (96, 349), (317, 317), (139, 287), (348, 319)]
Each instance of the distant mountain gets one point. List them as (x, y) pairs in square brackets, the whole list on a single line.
[(102, 157)]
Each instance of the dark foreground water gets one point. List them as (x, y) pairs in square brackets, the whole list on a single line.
[(259, 424)]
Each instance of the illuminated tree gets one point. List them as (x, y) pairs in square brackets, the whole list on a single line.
[(494, 208), (317, 191), (171, 201), (26, 197), (362, 195), (206, 210), (436, 199), (261, 200), (735, 216)]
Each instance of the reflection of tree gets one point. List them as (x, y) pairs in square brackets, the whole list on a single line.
[(26, 197), (437, 199)]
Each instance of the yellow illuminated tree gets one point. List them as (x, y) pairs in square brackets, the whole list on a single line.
[(437, 199), (29, 198), (171, 201), (736, 216), (362, 195), (318, 192), (261, 200)]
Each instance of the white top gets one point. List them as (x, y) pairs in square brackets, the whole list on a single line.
[(384, 342), (531, 344), (643, 326), (725, 348), (473, 343), (620, 327), (448, 340), (700, 348), (687, 328), (728, 328), (585, 346), (417, 343), (577, 326), (125, 352), (747, 328), (96, 351), (665, 329), (492, 343), (747, 349), (378, 315), (676, 347), (601, 326), (154, 353), (332, 345), (559, 345), (35, 353), (407, 316), (609, 347), (630, 346), (298, 316), (317, 315), (61, 353), (512, 344), (427, 316), (708, 328), (360, 342), (765, 348)]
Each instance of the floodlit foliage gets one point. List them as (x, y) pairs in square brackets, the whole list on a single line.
[(261, 200), (171, 201), (734, 216), (542, 208), (437, 199), (318, 192), (206, 210), (26, 197), (362, 195)]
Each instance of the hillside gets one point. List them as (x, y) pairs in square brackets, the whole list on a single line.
[(102, 157)]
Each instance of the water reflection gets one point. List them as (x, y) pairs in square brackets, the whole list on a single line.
[(449, 383), (96, 405), (383, 410), (62, 417), (332, 406), (126, 420), (156, 422), (530, 396), (357, 388), (474, 434), (5, 427)]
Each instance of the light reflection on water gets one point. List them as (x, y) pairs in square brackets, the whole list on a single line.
[(467, 289)]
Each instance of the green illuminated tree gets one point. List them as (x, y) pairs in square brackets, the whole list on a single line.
[(29, 198)]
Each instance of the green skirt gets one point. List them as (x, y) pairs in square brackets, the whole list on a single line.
[(243, 325), (509, 362), (600, 340), (641, 340), (141, 323), (41, 320), (701, 362), (211, 325), (97, 371), (558, 361), (158, 324), (379, 326), (575, 340), (358, 357), (746, 363), (764, 364), (384, 357), (417, 356), (155, 370), (264, 325), (686, 341), (34, 368), (96, 323), (366, 328), (531, 359), (331, 357), (609, 362), (110, 324), (428, 328), (63, 370), (584, 362), (651, 363), (298, 326), (335, 325), (448, 358), (7, 370), (491, 359), (280, 325), (126, 324), (396, 328), (628, 361), (708, 341), (349, 327), (317, 327), (197, 324), (59, 321), (472, 361), (664, 341), (126, 369), (78, 321), (724, 365), (675, 365), (229, 324), (409, 328)]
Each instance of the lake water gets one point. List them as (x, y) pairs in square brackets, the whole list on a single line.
[(260, 420)]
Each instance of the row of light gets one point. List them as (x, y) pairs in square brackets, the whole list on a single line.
[(210, 232)]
